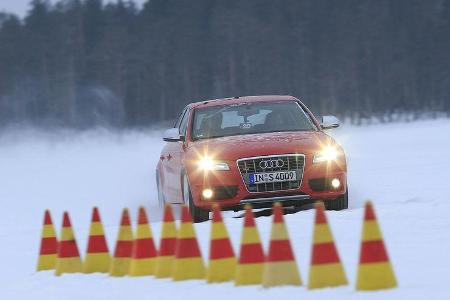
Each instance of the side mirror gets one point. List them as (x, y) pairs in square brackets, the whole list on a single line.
[(329, 122), (172, 135)]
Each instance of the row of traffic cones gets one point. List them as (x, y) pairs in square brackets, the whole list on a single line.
[(179, 254), (134, 257), (279, 267)]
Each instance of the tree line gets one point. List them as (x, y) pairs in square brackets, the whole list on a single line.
[(81, 63)]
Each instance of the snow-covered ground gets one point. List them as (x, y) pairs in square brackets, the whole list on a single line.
[(404, 168)]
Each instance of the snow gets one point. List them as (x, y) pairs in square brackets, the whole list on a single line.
[(402, 167)]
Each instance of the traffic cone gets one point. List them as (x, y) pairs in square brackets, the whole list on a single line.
[(280, 267), (120, 263), (326, 269), (49, 245), (143, 257), (250, 266), (374, 269), (68, 259), (222, 261), (97, 254), (166, 253), (188, 259)]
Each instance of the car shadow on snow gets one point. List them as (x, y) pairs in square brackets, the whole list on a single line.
[(266, 212)]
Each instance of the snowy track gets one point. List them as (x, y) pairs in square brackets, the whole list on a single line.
[(403, 168)]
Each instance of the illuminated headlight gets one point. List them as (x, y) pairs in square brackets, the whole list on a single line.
[(208, 164), (327, 154)]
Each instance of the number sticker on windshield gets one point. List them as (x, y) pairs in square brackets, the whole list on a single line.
[(246, 125)]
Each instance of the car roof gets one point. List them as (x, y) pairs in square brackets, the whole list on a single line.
[(241, 99)]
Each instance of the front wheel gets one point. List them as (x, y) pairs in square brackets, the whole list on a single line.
[(198, 215)]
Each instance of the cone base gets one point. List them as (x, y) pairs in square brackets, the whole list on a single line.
[(97, 262), (46, 262), (188, 268), (247, 274), (221, 270), (142, 267), (163, 267), (120, 266), (68, 265), (326, 275), (281, 273), (375, 276)]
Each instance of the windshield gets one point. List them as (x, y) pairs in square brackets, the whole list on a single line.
[(249, 118)]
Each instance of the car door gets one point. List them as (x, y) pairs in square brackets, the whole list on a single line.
[(172, 162)]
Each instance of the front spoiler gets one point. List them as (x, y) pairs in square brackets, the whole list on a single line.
[(267, 202), (276, 199)]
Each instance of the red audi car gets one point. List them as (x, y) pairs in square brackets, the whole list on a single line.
[(253, 149)]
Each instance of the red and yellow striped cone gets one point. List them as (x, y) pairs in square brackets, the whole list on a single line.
[(188, 259), (222, 261), (97, 254), (143, 257), (120, 263), (250, 266), (49, 245), (280, 267), (326, 269), (166, 253), (68, 259), (374, 270)]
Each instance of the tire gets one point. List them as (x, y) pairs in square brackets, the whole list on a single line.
[(161, 198), (338, 204), (198, 215)]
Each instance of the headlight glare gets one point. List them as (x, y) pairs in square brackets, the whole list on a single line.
[(335, 183), (208, 164), (207, 193), (328, 153)]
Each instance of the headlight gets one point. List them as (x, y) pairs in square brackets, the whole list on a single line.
[(329, 153), (208, 164)]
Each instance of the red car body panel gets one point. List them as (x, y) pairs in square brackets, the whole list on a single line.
[(179, 157)]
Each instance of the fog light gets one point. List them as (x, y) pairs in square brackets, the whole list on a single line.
[(335, 183), (207, 193)]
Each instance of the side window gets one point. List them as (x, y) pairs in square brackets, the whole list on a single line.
[(183, 123)]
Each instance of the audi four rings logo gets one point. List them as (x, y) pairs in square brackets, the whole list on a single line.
[(273, 163)]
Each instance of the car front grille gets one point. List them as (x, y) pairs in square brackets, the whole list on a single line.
[(291, 162)]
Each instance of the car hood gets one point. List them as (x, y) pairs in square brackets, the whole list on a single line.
[(235, 147)]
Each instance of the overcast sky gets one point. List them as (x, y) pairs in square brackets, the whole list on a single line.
[(20, 7)]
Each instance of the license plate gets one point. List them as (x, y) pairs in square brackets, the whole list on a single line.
[(256, 178)]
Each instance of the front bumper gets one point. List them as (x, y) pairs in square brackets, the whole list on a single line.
[(286, 201), (234, 194)]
